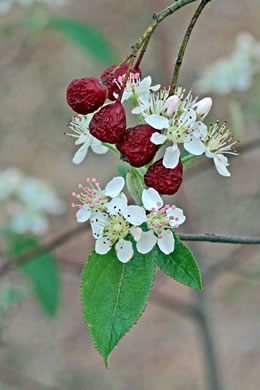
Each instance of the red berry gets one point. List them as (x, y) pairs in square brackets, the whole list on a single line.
[(110, 85), (164, 180), (109, 123), (136, 147), (86, 95)]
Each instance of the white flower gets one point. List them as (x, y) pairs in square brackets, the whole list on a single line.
[(79, 124), (201, 107), (10, 180), (161, 221), (113, 225), (183, 129), (135, 87), (93, 199), (27, 201), (235, 72), (218, 143), (157, 109)]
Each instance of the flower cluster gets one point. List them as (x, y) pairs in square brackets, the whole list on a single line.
[(6, 5), (174, 122), (28, 201), (114, 222), (233, 73)]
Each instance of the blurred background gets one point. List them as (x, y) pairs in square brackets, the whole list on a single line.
[(184, 340)]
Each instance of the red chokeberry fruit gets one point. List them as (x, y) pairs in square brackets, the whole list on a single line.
[(111, 86), (109, 123), (86, 95), (164, 180), (135, 145)]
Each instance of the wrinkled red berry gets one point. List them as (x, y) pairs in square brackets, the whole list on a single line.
[(109, 123), (86, 95), (135, 145), (110, 85), (165, 180)]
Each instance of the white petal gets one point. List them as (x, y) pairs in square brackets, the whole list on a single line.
[(84, 138), (117, 205), (188, 118), (126, 95), (146, 243), (136, 232), (208, 153), (114, 186), (155, 87), (201, 130), (171, 157), (98, 147), (157, 121), (195, 146), (124, 250), (221, 165), (135, 215), (103, 245), (166, 243), (158, 139), (176, 213), (124, 198), (81, 154), (151, 199), (97, 228), (83, 214), (144, 85), (139, 109)]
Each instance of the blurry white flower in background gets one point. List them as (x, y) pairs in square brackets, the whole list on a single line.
[(6, 5), (27, 201), (235, 72)]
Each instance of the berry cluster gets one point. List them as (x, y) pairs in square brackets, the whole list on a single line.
[(107, 123)]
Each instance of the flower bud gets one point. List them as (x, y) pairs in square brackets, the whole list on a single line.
[(203, 107), (171, 105)]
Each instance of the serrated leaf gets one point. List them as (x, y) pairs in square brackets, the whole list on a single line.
[(86, 37), (42, 271), (180, 265), (114, 296)]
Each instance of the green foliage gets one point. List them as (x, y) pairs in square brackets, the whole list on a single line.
[(135, 184), (114, 296), (91, 40), (42, 271), (123, 170), (180, 265)]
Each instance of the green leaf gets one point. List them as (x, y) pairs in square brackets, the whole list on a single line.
[(90, 39), (42, 270), (180, 265), (135, 184), (114, 296), (123, 170)]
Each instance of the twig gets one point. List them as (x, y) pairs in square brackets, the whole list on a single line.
[(220, 239), (184, 45), (58, 241), (48, 247), (148, 33)]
